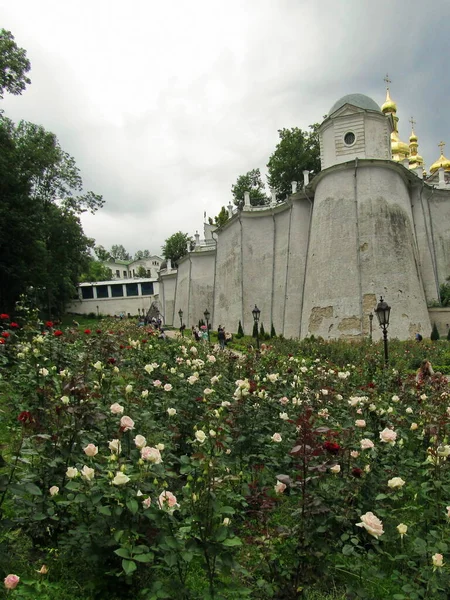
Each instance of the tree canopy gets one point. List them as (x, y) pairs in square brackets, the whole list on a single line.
[(297, 151), (14, 65), (42, 246), (118, 252), (175, 247), (250, 182), (219, 219)]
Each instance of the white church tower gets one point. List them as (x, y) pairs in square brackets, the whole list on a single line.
[(362, 243)]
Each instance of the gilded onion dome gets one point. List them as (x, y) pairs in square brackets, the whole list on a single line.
[(415, 160), (441, 161), (399, 149)]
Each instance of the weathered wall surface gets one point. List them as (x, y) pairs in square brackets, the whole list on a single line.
[(112, 306), (439, 203), (167, 288), (362, 245), (228, 277), (201, 286)]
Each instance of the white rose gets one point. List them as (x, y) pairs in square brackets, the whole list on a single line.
[(276, 437), (71, 472), (116, 409), (371, 524), (140, 441), (335, 469), (171, 412), (388, 436), (200, 436), (396, 482), (87, 473), (120, 478)]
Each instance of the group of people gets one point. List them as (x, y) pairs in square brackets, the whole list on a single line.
[(201, 334)]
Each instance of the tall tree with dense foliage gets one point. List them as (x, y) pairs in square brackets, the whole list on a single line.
[(96, 271), (296, 152), (250, 182), (142, 254), (14, 65), (42, 245), (102, 253), (175, 247), (118, 252)]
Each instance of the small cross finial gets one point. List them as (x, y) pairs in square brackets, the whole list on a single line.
[(412, 122), (387, 80), (441, 145)]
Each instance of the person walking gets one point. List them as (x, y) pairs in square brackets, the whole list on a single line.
[(221, 337)]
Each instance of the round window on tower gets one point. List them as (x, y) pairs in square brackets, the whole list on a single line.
[(349, 138)]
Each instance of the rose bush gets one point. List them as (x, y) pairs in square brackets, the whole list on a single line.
[(160, 461)]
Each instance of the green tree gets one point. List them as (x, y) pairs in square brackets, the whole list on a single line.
[(96, 271), (444, 292), (118, 252), (296, 151), (141, 271), (14, 65), (219, 219), (142, 254), (240, 331), (250, 182), (102, 254), (175, 247), (41, 191)]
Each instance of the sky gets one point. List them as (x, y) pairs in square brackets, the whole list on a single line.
[(164, 104)]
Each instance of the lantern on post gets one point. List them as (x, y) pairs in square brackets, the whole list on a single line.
[(383, 311), (256, 312)]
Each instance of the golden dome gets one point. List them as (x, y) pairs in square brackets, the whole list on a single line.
[(389, 105), (413, 137), (441, 161)]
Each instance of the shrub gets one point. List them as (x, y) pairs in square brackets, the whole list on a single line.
[(262, 333), (240, 331), (255, 330), (272, 332), (434, 333)]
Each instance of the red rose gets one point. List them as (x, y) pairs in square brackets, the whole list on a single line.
[(4, 316), (5, 334), (357, 472), (2, 341), (57, 333), (87, 331), (49, 323), (331, 447), (14, 325), (25, 417), (111, 361), (98, 331)]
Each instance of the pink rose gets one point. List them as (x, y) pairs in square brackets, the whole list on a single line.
[(276, 437), (366, 444), (167, 387), (126, 423), (152, 455), (279, 487), (388, 436), (146, 503), (360, 423), (157, 383), (167, 501), (116, 409), (11, 581), (90, 450), (371, 524)]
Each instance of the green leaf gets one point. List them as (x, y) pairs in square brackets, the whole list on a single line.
[(380, 497), (347, 550), (133, 506), (187, 556), (104, 510), (129, 566), (144, 558), (123, 552), (234, 541), (226, 510)]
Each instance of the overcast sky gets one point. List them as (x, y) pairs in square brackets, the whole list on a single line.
[(164, 104)]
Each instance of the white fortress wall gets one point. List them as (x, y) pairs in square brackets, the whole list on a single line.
[(168, 284), (201, 286), (228, 276), (182, 292), (331, 295), (420, 207), (282, 217), (387, 247), (297, 236), (258, 265), (439, 203)]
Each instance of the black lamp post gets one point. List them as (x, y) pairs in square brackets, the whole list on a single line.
[(383, 311), (370, 325), (180, 314), (256, 312), (206, 314)]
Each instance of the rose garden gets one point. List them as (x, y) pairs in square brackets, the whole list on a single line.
[(134, 467)]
